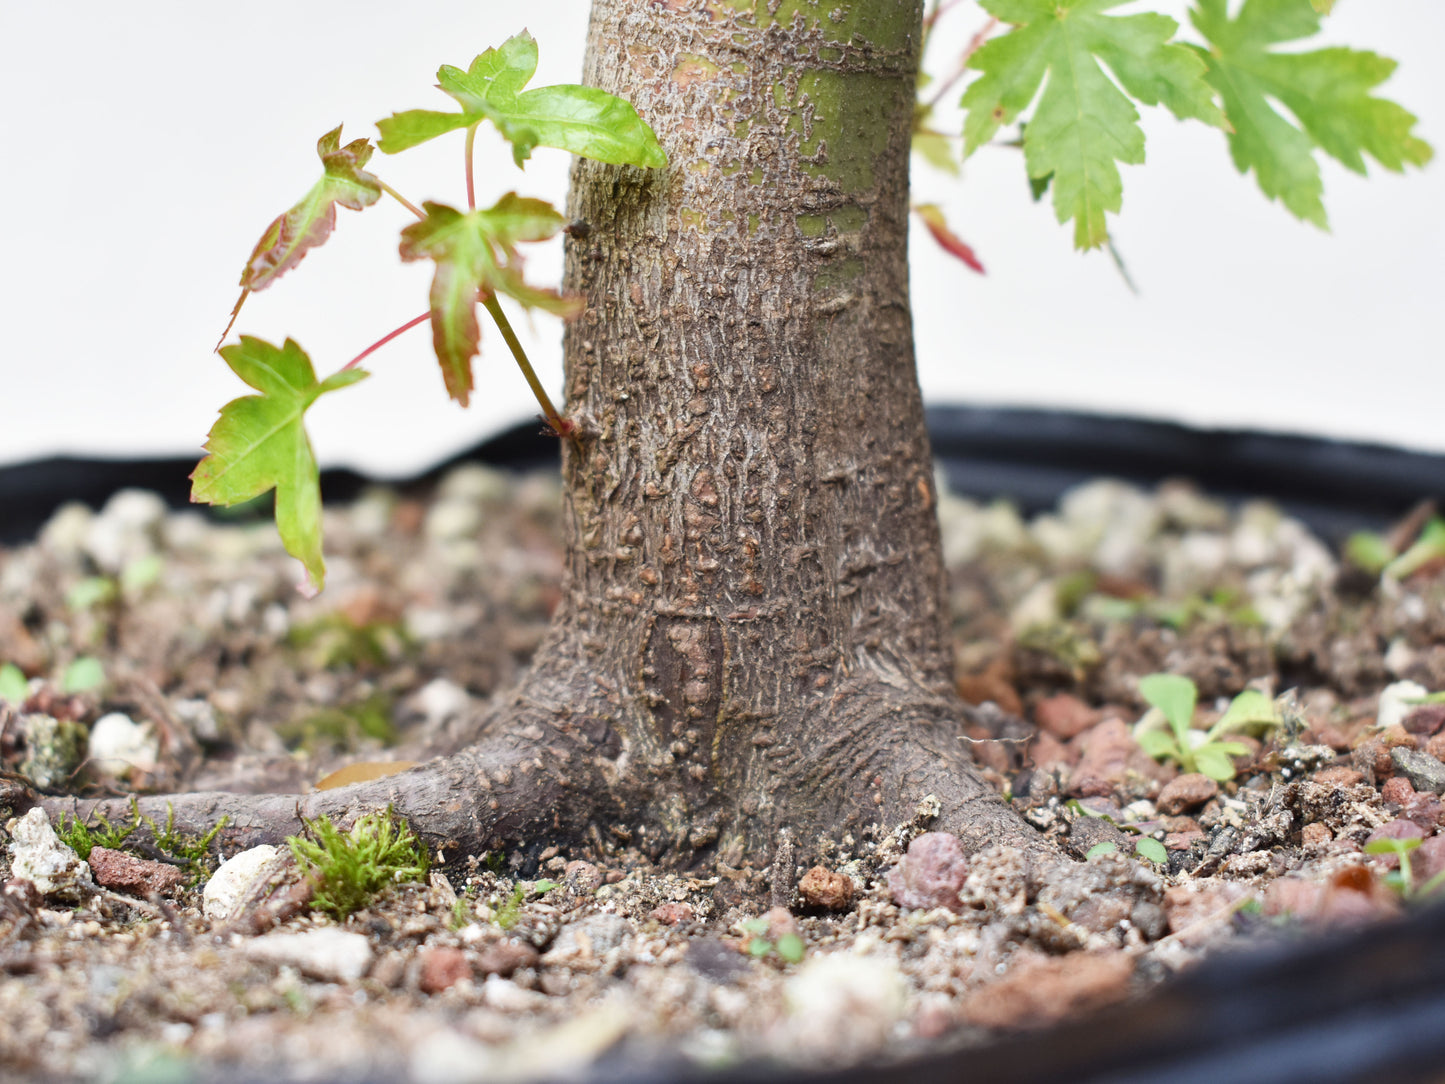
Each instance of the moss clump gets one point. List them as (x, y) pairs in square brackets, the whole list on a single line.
[(349, 869)]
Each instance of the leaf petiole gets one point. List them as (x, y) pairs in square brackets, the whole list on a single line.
[(408, 204), (385, 339), (471, 183), (559, 425)]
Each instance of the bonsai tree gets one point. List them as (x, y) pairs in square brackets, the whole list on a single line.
[(752, 642)]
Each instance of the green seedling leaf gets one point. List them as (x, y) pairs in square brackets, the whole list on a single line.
[(13, 686), (1212, 759), (1083, 125), (791, 948), (1107, 847), (476, 257), (1152, 850), (83, 675), (1396, 847), (91, 592), (1175, 696), (1428, 547), (1250, 710), (310, 222), (1327, 91), (584, 120), (1369, 551), (1323, 6), (259, 443), (1158, 744)]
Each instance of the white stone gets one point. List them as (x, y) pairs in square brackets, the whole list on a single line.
[(328, 954), (448, 1057), (127, 529), (451, 520), (1396, 702), (843, 1002), (440, 700), (64, 532), (37, 855), (232, 879), (476, 483), (118, 745)]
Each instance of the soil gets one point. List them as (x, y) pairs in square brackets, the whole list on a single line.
[(227, 678)]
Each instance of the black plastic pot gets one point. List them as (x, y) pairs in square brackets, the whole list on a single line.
[(1028, 456), (1363, 1007)]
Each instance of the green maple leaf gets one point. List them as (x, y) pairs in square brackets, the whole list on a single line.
[(259, 443), (1327, 90), (310, 222), (583, 120), (476, 257), (1083, 125)]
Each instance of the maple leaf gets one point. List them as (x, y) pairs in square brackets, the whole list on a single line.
[(1327, 90), (932, 217), (259, 443), (310, 222), (1083, 125), (476, 257), (583, 120)]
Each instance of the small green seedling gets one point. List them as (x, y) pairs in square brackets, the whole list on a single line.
[(1373, 553), (349, 869), (1147, 848), (1174, 698), (13, 686), (510, 910), (789, 947), (260, 441), (1402, 879), (85, 674)]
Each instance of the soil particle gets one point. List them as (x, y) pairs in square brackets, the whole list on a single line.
[(127, 873), (930, 874), (435, 603)]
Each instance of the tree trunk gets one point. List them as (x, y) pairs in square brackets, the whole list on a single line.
[(753, 634)]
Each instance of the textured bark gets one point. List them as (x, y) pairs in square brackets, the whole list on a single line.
[(752, 635)]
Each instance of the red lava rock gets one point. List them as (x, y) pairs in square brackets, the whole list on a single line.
[(1048, 753), (1064, 716), (442, 968), (1397, 791), (1109, 751), (127, 873), (1353, 895), (1372, 757), (1399, 828), (1436, 746), (1182, 841), (672, 914), (994, 682), (505, 957), (780, 922), (1188, 791), (1042, 989), (582, 876), (1338, 776), (1426, 719), (1195, 913), (823, 888), (930, 874), (1315, 835), (1427, 860)]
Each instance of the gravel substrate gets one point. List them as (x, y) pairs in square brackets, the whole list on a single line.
[(166, 651)]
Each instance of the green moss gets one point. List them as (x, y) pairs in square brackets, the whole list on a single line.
[(839, 275), (812, 225), (334, 641), (343, 728), (191, 853), (350, 869)]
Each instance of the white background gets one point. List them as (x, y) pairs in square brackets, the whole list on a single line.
[(147, 145)]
